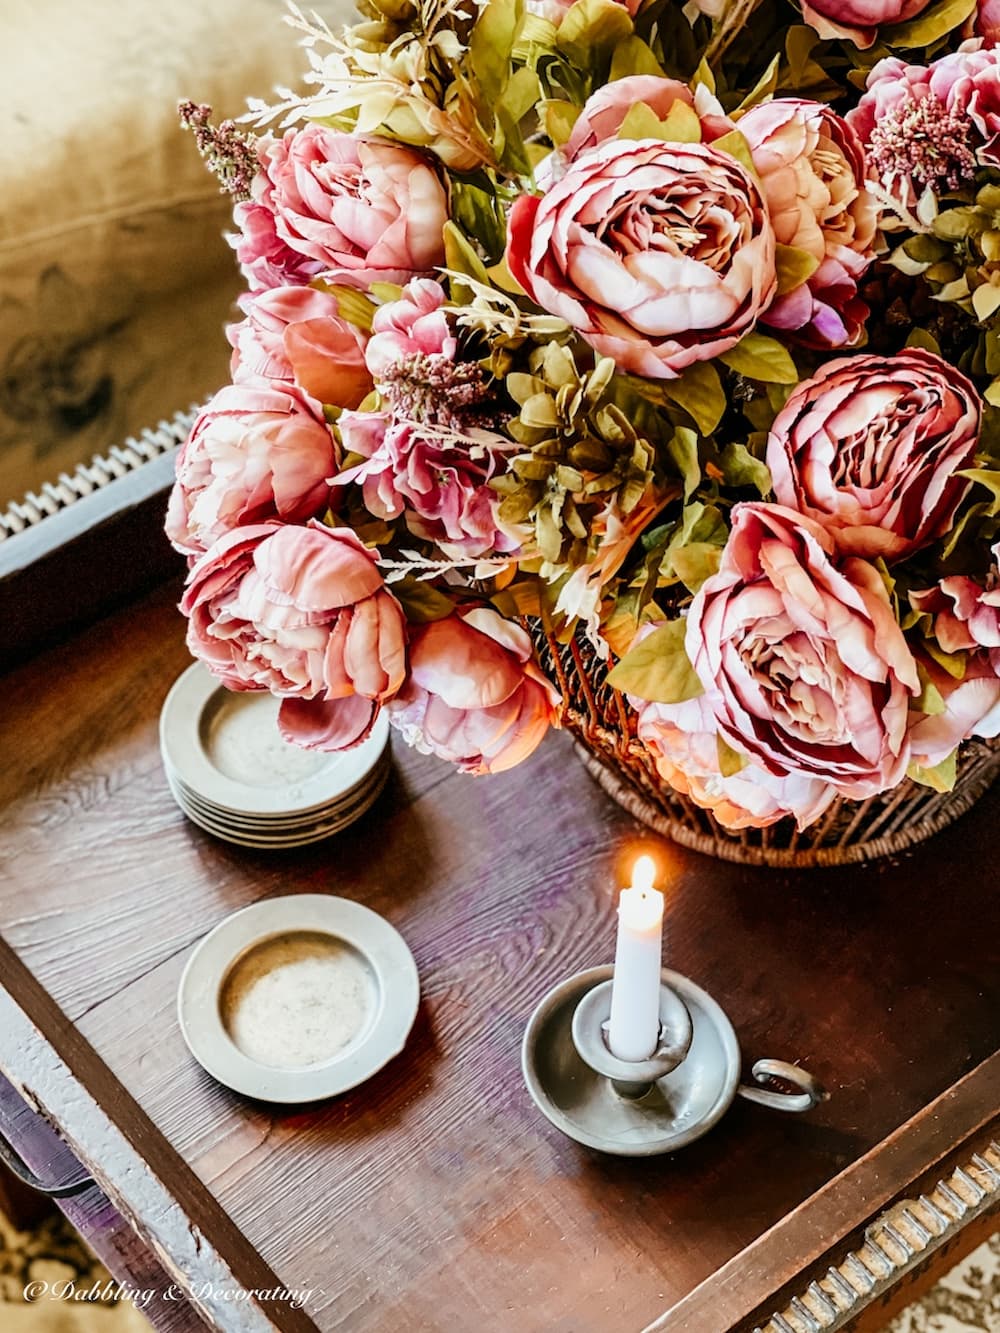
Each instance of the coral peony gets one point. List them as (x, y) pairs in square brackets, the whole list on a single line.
[(870, 447), (812, 166), (256, 451), (659, 254), (302, 612), (805, 668), (971, 707), (364, 209), (297, 333), (474, 695)]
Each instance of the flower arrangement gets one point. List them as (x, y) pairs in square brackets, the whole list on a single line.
[(675, 327)]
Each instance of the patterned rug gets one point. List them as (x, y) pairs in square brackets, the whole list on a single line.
[(966, 1300)]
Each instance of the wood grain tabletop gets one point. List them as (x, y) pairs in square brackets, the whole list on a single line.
[(435, 1196)]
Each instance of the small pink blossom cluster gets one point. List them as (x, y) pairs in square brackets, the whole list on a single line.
[(807, 676), (279, 600)]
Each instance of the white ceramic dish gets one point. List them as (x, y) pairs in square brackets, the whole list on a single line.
[(226, 747), (372, 942)]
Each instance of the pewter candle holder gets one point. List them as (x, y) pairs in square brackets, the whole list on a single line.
[(642, 1108)]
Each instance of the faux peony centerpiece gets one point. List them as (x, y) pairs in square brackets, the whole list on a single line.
[(630, 364)]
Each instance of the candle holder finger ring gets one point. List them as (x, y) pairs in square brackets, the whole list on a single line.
[(642, 1108)]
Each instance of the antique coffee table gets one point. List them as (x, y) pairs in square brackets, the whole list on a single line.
[(436, 1197)]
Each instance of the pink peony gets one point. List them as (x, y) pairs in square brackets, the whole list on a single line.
[(474, 695), (658, 254), (812, 167), (971, 708), (604, 112), (858, 21), (870, 447), (683, 740), (364, 209), (968, 82), (803, 663), (297, 333), (413, 326), (966, 615), (256, 451), (438, 477), (986, 23), (265, 260), (302, 612)]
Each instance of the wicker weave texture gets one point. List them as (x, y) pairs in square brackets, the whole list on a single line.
[(849, 831)]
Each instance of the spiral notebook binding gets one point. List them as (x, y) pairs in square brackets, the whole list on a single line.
[(102, 469)]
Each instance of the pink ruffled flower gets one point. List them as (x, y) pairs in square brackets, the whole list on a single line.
[(297, 333), (870, 447), (364, 209), (474, 695), (683, 739), (916, 136), (265, 260), (812, 166), (413, 326), (968, 82), (437, 477), (658, 254), (604, 112), (971, 708), (804, 665), (302, 612), (986, 23), (858, 21), (255, 452), (966, 615)]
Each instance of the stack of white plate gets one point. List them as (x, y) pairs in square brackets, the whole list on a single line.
[(234, 775)]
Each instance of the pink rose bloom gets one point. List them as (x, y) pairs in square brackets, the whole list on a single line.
[(812, 167), (971, 708), (966, 615), (915, 136), (265, 260), (255, 452), (858, 21), (658, 254), (986, 23), (474, 695), (804, 665), (415, 325), (683, 741), (302, 612), (364, 209), (438, 478), (297, 333), (604, 112), (870, 447), (968, 82)]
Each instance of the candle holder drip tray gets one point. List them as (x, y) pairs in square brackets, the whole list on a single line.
[(657, 1105)]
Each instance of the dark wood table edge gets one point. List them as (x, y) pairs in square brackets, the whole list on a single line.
[(62, 1077), (747, 1290)]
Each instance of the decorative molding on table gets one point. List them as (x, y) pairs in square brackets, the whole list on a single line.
[(903, 1237)]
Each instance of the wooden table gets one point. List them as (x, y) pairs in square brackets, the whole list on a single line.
[(436, 1197)]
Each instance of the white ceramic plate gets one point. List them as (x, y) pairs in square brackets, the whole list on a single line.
[(226, 747), (395, 995)]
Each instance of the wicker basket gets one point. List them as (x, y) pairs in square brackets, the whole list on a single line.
[(849, 831)]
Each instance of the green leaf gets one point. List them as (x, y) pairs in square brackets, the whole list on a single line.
[(953, 663), (924, 340), (658, 668), (559, 119), (763, 89), (356, 308), (490, 46), (461, 257), (683, 449), (704, 74), (988, 477), (420, 601), (680, 126), (478, 212), (985, 300), (941, 777), (633, 56), (740, 468), (589, 30), (731, 761), (521, 93), (736, 146), (929, 700), (992, 393), (695, 563), (700, 393), (793, 266), (761, 358), (933, 23)]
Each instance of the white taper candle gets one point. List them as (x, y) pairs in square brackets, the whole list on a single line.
[(634, 1027)]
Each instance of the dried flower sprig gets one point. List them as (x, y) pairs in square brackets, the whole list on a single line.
[(229, 153)]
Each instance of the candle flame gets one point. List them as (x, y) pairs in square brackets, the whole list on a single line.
[(644, 873)]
